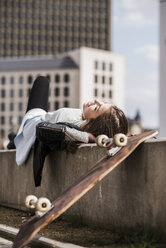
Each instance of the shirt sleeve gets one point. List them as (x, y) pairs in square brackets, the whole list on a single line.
[(76, 135)]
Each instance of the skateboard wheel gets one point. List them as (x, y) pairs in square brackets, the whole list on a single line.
[(30, 201), (100, 140), (120, 139), (43, 204)]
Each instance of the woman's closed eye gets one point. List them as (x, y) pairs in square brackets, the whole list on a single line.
[(97, 108)]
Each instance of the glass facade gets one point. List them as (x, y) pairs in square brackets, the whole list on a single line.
[(49, 27)]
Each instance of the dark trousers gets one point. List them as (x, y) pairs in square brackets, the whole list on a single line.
[(38, 98)]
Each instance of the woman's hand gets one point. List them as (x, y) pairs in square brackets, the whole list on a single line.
[(91, 137)]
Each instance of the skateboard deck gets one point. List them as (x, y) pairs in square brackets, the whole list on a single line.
[(78, 189)]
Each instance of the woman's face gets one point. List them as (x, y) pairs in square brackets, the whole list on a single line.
[(91, 110)]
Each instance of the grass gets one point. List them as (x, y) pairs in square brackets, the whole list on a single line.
[(142, 239)]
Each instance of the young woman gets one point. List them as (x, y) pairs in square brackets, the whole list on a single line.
[(93, 119)]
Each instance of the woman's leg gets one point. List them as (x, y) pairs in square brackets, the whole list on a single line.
[(38, 97)]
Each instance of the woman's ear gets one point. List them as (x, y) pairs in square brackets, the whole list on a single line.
[(83, 117)]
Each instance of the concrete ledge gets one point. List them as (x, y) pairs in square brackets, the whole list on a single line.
[(133, 195)]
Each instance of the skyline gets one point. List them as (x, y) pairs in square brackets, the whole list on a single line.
[(135, 35)]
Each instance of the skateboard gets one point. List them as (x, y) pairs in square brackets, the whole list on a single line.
[(46, 212)]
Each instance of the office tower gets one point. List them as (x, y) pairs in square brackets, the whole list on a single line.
[(39, 27)]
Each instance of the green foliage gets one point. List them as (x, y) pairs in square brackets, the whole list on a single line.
[(141, 239)]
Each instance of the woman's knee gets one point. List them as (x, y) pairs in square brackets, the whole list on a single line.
[(42, 79)]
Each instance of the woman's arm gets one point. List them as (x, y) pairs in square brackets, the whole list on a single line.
[(76, 135)]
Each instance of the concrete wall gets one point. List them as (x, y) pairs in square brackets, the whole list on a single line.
[(133, 195)]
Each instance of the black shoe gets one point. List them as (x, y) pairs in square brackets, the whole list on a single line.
[(11, 144)]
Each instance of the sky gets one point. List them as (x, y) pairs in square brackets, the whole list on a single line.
[(135, 35)]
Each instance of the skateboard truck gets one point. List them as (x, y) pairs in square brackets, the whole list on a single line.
[(41, 205), (112, 145)]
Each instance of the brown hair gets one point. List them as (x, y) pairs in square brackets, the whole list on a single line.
[(109, 123)]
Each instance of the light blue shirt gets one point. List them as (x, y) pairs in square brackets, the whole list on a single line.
[(26, 135)]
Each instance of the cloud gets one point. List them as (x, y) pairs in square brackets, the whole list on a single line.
[(141, 4), (137, 19), (138, 13), (142, 93), (153, 76), (146, 102), (146, 95), (151, 52)]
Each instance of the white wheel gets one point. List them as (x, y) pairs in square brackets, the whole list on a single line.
[(120, 139), (30, 201), (43, 204), (100, 140)]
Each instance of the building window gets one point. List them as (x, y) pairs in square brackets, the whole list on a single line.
[(48, 77), (2, 120), (11, 106), (66, 104), (19, 119), (20, 92), (110, 66), (49, 92), (57, 78), (28, 92), (12, 93), (12, 80), (20, 106), (96, 78), (57, 92), (3, 93), (3, 106), (103, 94), (21, 79), (103, 80), (49, 105), (3, 80), (56, 105), (96, 65), (110, 80), (66, 91), (2, 133), (103, 66), (110, 94), (95, 92), (66, 78), (11, 120), (30, 79)]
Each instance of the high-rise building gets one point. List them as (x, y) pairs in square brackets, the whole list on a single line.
[(162, 97), (39, 27), (75, 77)]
